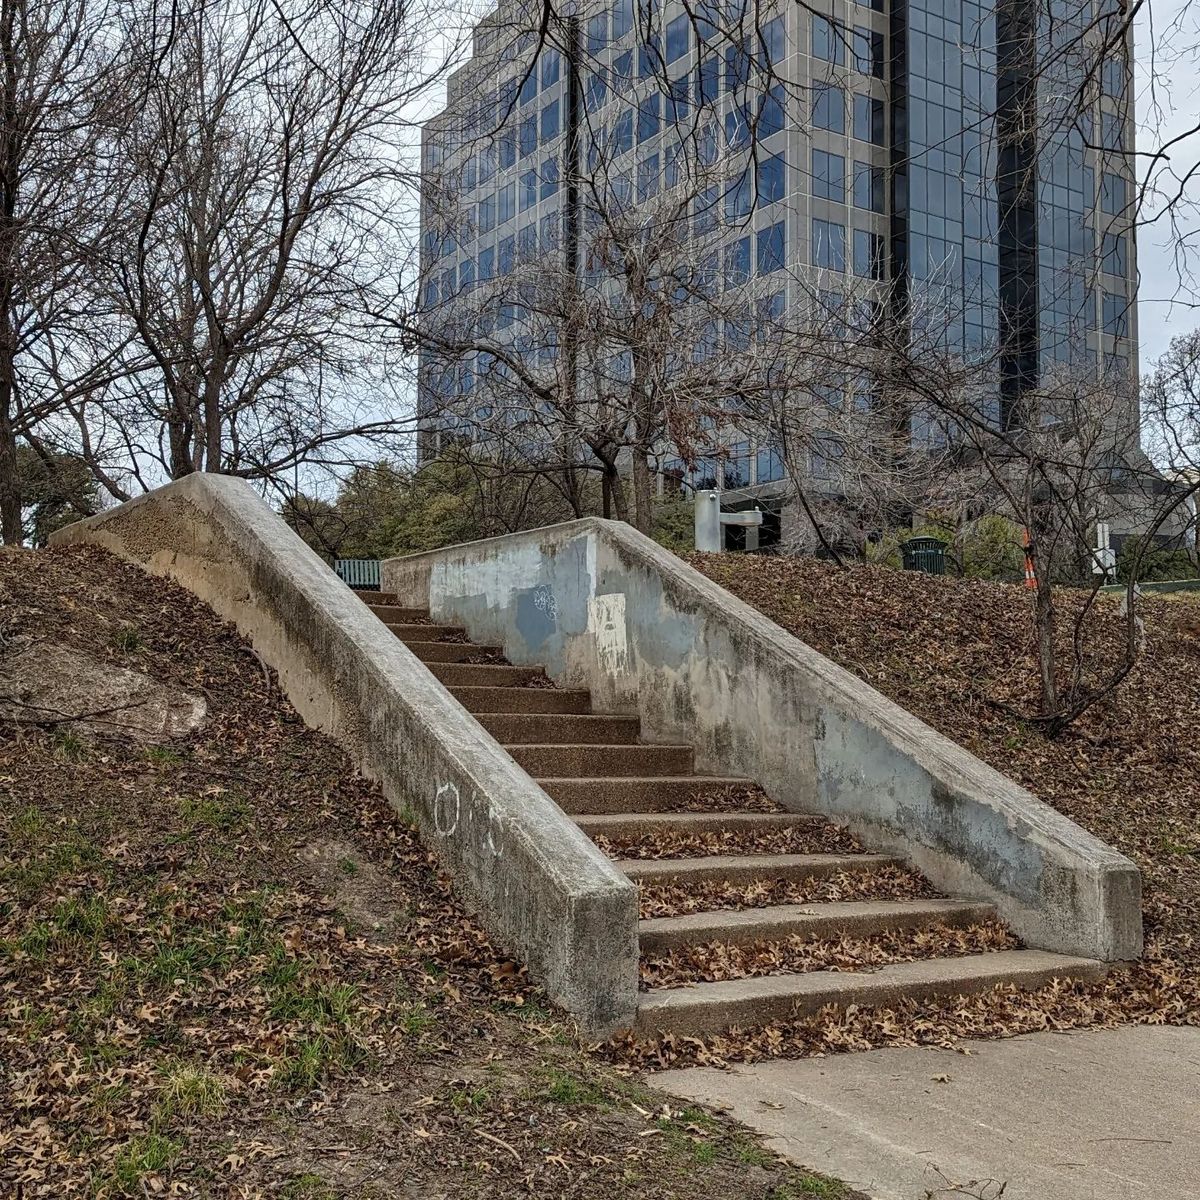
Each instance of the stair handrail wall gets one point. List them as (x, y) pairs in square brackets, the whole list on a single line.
[(601, 606), (537, 882)]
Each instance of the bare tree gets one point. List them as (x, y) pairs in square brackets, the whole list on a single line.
[(266, 181), (61, 97)]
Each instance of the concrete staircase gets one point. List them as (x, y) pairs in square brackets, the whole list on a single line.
[(749, 914)]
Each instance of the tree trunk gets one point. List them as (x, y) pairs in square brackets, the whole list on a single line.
[(1044, 619), (10, 484), (643, 512)]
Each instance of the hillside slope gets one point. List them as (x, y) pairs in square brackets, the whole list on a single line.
[(228, 969), (959, 655)]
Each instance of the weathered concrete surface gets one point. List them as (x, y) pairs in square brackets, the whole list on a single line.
[(1097, 1115), (47, 681), (537, 882), (603, 607)]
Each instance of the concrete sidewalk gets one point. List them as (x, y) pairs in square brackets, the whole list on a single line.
[(1100, 1115)]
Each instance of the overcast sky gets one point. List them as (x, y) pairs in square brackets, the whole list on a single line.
[(1168, 83)]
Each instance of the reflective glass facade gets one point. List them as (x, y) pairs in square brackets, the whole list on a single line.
[(886, 145)]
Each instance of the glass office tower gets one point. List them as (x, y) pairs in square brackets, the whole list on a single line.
[(968, 162)]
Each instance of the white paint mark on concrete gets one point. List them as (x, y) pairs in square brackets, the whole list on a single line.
[(545, 601), (606, 624), (447, 806)]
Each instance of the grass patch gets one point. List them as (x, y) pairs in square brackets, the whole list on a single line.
[(149, 1154), (189, 1091), (126, 639), (68, 746), (213, 813), (163, 756), (564, 1088), (308, 1187)]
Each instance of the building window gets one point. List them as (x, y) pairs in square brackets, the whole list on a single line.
[(770, 248), (622, 19), (527, 242), (737, 262), (506, 147), (768, 465), (829, 107), (596, 91), (529, 189), (774, 40), (869, 120), (737, 466), (1113, 193), (550, 122), (771, 111), (827, 40), (826, 456), (771, 175), (868, 52), (1112, 131), (708, 79), (829, 176), (487, 263), (597, 32), (738, 200), (868, 187), (737, 132), (1115, 314), (648, 178), (549, 177), (622, 135), (1112, 77), (508, 252), (551, 66), (528, 136), (829, 244), (649, 58), (677, 38), (528, 86), (648, 117), (738, 67), (1112, 254), (508, 203), (868, 254), (487, 214), (705, 211)]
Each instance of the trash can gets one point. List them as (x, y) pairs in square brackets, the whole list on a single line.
[(926, 554)]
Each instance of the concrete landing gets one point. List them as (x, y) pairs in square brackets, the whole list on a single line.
[(1101, 1115)]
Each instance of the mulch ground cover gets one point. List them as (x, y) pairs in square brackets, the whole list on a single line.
[(228, 969)]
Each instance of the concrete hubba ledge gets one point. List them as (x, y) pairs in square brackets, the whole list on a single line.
[(604, 607), (538, 883)]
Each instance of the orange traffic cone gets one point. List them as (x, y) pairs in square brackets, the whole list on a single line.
[(1030, 574)]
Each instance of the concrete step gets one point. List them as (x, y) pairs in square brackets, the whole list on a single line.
[(859, 918), (553, 760), (488, 675), (523, 699), (370, 597), (707, 1008), (631, 794), (561, 728), (752, 868), (634, 824), (448, 652), (425, 633), (395, 614)]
